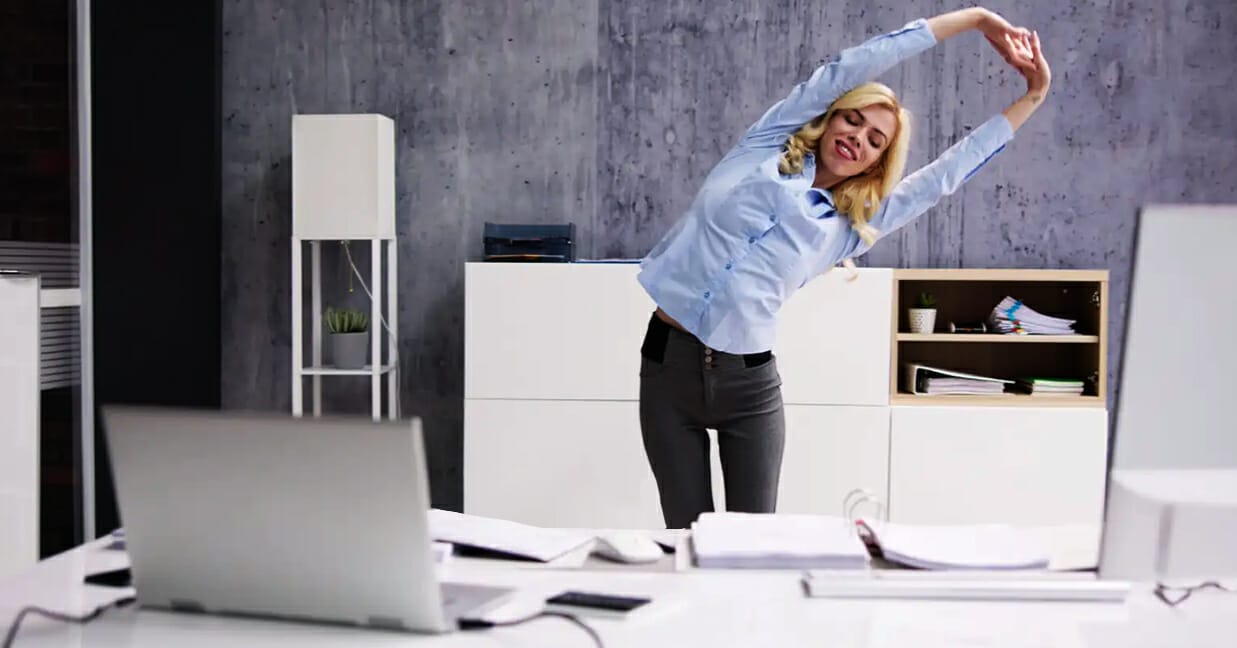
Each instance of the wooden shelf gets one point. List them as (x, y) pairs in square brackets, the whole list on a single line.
[(969, 295), (334, 371), (997, 337), (998, 274), (1008, 400)]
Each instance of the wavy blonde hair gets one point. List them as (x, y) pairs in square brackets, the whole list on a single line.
[(860, 196)]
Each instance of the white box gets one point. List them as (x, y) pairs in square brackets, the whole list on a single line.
[(1171, 525), (343, 177)]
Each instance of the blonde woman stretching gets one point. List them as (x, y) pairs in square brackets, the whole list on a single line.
[(816, 181)]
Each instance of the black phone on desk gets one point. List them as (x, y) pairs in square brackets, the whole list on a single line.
[(114, 578), (594, 604)]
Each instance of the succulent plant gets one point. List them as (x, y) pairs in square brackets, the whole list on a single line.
[(925, 300), (346, 320)]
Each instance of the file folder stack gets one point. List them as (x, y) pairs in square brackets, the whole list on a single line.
[(1051, 386), (1013, 316)]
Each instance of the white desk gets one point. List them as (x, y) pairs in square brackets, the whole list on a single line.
[(697, 608)]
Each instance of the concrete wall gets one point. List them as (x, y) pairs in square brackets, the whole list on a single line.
[(608, 114)]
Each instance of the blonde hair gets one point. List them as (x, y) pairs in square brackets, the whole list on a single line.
[(859, 196)]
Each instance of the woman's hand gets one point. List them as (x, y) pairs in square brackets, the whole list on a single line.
[(1012, 43), (1039, 79), (1036, 71)]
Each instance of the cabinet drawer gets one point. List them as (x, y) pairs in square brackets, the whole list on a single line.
[(1026, 466)]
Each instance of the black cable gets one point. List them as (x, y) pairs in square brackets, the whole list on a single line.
[(477, 624), (11, 635), (1174, 596)]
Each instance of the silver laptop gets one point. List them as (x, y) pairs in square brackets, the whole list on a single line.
[(266, 515)]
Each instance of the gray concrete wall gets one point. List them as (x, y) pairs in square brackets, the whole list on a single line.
[(608, 114)]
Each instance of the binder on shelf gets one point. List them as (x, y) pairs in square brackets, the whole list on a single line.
[(923, 379)]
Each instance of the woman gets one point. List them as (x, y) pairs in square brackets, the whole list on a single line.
[(816, 181)]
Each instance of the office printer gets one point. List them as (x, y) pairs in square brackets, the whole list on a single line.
[(553, 243)]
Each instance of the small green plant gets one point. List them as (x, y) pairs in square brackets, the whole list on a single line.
[(346, 320), (925, 300)]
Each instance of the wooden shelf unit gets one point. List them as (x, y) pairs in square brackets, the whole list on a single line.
[(969, 295)]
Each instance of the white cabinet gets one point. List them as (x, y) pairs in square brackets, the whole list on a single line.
[(834, 339), (558, 464), (552, 432), (553, 331), (831, 451), (1017, 465), (19, 422)]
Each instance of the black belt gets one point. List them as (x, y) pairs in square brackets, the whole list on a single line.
[(654, 347)]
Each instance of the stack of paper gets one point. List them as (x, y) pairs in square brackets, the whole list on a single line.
[(961, 386), (963, 547), (1051, 386), (1012, 316), (923, 379), (772, 541), (503, 536)]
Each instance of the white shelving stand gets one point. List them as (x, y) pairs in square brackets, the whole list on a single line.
[(343, 189)]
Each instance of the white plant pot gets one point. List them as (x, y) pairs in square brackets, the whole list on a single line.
[(922, 320)]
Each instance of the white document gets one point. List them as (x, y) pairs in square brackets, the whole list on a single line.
[(959, 547), (771, 541), (504, 536)]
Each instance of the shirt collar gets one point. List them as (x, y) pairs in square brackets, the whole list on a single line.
[(820, 201)]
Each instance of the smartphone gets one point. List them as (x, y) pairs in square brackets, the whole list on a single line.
[(114, 578), (594, 604)]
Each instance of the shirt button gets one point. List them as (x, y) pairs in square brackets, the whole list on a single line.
[(772, 217), (728, 266), (751, 239), (707, 294)]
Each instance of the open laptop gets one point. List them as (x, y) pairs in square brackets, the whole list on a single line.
[(320, 520)]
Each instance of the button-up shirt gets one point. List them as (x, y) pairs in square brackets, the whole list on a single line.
[(753, 236)]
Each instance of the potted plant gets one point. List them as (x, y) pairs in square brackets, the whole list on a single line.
[(349, 337), (923, 316)]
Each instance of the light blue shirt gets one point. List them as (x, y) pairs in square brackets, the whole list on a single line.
[(752, 236)]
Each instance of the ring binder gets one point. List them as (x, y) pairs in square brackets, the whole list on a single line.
[(857, 498)]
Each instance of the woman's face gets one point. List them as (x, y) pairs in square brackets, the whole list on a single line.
[(854, 140)]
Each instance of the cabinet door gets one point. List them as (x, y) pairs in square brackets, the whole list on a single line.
[(831, 451), (553, 330), (1017, 465), (558, 464), (834, 337), (19, 422)]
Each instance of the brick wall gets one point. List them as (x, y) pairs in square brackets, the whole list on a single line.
[(36, 117)]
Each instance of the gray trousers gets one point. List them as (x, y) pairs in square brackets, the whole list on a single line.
[(688, 388)]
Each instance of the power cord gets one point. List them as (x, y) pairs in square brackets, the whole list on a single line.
[(381, 319), (11, 635), (478, 624), (465, 624)]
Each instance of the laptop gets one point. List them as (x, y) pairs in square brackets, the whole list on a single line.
[(322, 520)]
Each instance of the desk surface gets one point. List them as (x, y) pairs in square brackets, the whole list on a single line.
[(697, 608)]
